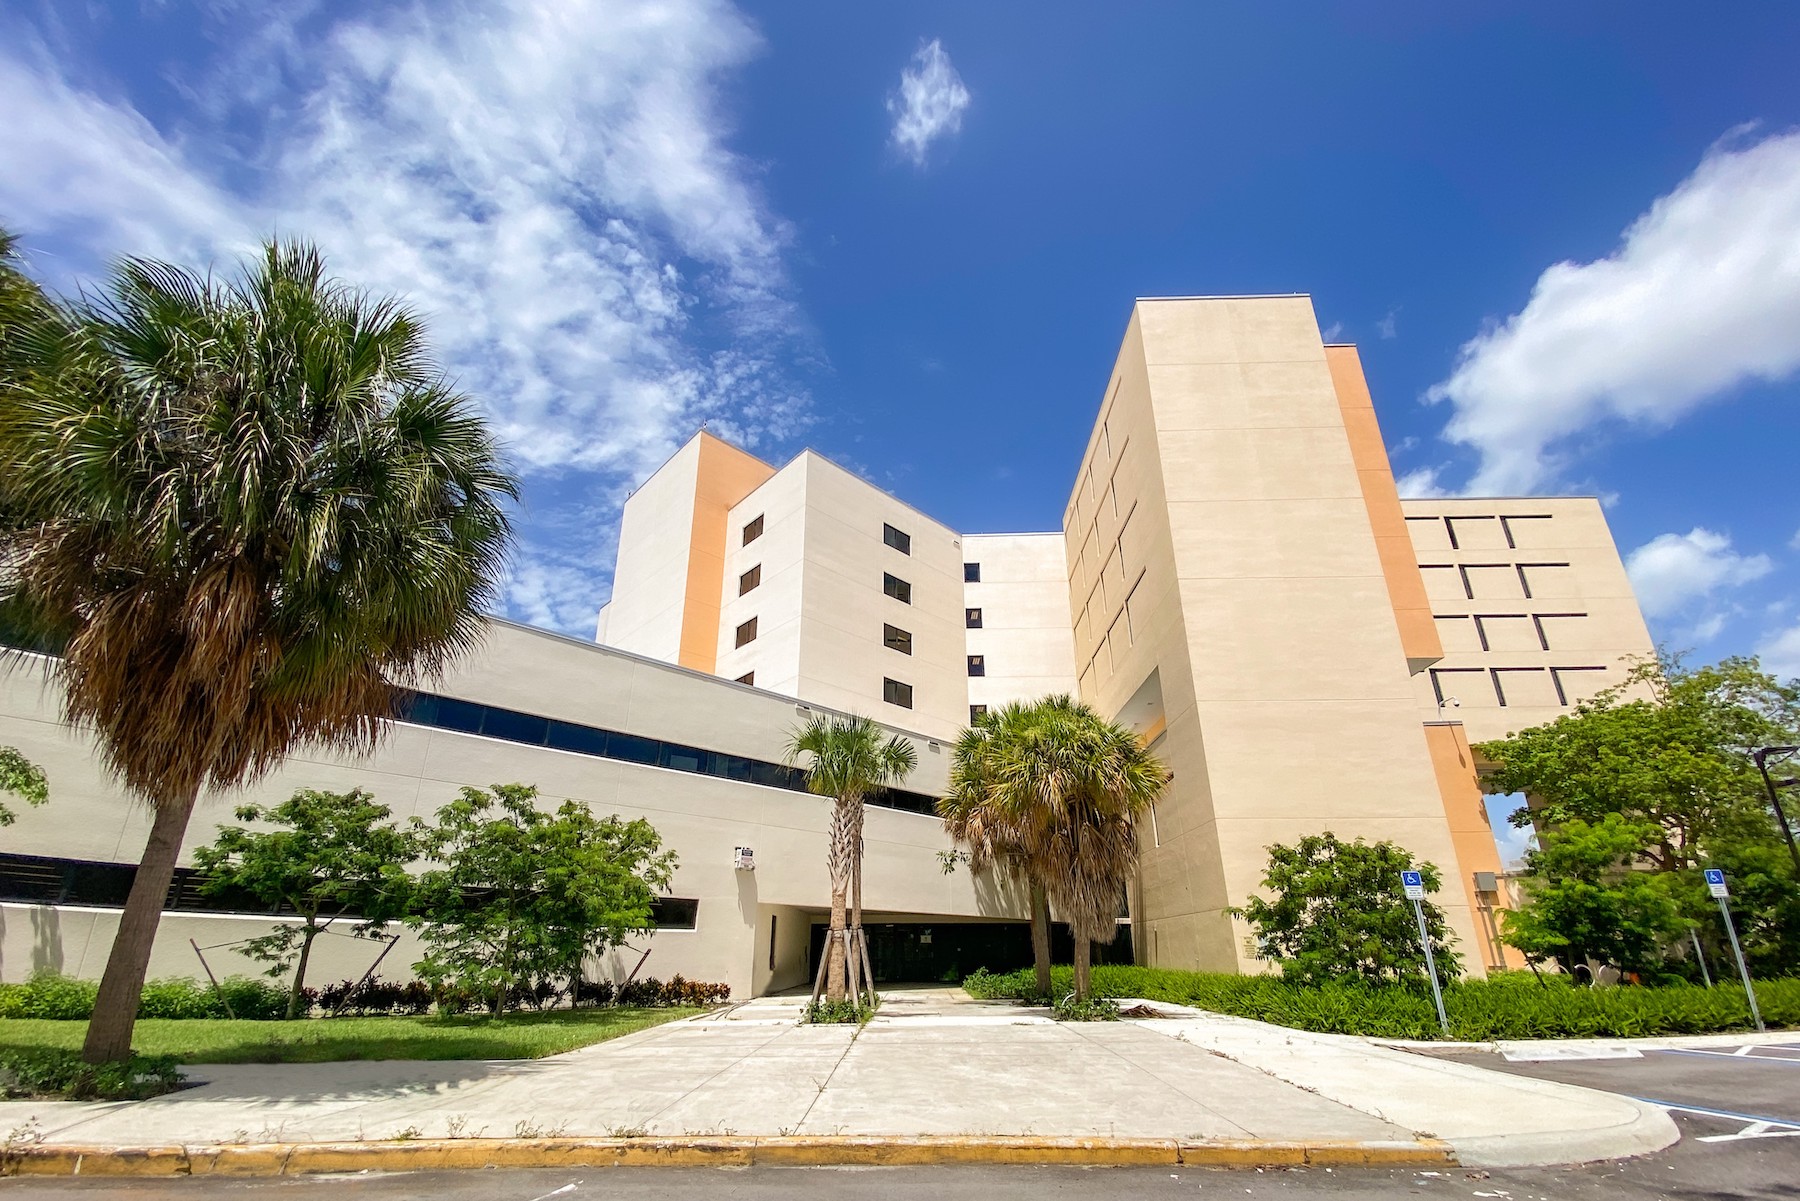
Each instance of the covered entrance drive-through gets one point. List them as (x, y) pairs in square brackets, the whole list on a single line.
[(927, 952)]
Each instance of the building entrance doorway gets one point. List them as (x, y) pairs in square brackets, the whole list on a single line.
[(945, 952)]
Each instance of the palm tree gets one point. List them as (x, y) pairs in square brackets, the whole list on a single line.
[(996, 824), (849, 760), (253, 510), (1052, 791)]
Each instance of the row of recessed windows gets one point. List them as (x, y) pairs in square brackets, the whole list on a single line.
[(471, 717)]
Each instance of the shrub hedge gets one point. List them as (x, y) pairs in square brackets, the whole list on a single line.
[(50, 1072), (1507, 1005), (47, 995)]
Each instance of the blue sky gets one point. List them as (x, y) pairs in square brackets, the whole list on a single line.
[(1566, 237)]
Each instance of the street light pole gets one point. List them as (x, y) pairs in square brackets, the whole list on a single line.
[(1761, 755)]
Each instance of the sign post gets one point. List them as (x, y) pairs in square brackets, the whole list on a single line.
[(1715, 884), (1414, 884)]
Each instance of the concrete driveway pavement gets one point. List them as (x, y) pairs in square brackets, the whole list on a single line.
[(933, 1063)]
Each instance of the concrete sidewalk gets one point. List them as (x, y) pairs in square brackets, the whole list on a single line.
[(932, 1063)]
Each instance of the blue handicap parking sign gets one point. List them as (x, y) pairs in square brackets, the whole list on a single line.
[(1416, 880), (1714, 876)]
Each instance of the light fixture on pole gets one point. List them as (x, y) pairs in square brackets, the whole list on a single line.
[(1762, 754)]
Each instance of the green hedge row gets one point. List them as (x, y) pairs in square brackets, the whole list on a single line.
[(47, 995), (1509, 1005)]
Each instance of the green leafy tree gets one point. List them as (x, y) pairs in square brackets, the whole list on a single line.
[(847, 759), (335, 855), (248, 509), (1668, 751), (521, 895), (1765, 907), (1338, 913), (22, 778), (1587, 899), (1669, 747), (1051, 792)]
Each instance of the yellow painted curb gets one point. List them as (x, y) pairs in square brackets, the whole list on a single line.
[(416, 1155)]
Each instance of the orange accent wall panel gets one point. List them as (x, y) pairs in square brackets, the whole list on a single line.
[(1406, 588), (726, 475)]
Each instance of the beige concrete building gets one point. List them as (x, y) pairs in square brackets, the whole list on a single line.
[(1235, 577)]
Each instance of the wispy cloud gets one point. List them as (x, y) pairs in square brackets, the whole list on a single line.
[(1780, 653), (550, 183), (1421, 483), (929, 104), (1389, 325), (1702, 294), (1671, 572)]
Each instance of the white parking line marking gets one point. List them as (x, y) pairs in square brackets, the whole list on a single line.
[(1754, 1126), (1726, 1055)]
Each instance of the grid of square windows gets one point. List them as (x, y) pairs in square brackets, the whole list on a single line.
[(898, 539), (896, 587), (896, 693)]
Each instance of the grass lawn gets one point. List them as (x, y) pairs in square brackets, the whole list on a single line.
[(320, 1040)]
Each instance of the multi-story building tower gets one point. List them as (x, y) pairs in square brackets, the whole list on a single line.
[(1235, 578)]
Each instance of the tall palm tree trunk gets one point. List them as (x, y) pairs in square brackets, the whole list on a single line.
[(858, 940), (122, 985), (1040, 936), (1083, 950), (838, 866)]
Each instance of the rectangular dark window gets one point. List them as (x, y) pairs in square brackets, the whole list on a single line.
[(897, 588), (750, 579), (630, 748), (452, 714), (971, 573), (583, 740), (674, 913), (676, 757), (747, 632), (897, 539), (772, 928), (753, 530), (976, 713), (515, 727), (972, 618), (896, 639), (748, 677), (978, 665), (896, 693)]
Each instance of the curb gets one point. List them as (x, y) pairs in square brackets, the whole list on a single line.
[(298, 1159)]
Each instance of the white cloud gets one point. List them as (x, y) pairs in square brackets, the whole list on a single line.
[(1421, 483), (1672, 571), (1701, 295), (549, 183), (1332, 332), (1388, 326), (930, 102), (1780, 653)]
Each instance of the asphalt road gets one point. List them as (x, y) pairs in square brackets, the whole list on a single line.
[(1739, 1116)]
